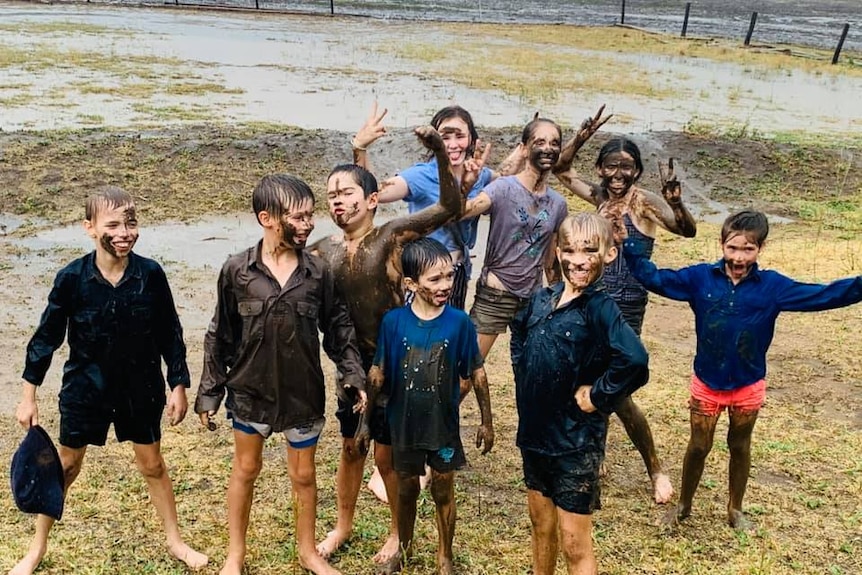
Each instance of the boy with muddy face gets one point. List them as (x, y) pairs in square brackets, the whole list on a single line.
[(735, 305), (122, 323), (262, 351), (366, 261)]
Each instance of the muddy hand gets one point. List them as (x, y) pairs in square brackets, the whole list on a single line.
[(473, 166), (430, 138), (371, 130), (670, 186), (588, 127), (485, 436)]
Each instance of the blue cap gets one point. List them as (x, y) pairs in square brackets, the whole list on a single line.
[(37, 475)]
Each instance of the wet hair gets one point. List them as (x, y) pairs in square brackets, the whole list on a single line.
[(533, 124), (274, 194), (751, 223), (621, 145), (421, 254), (450, 112), (106, 197), (360, 175), (586, 226)]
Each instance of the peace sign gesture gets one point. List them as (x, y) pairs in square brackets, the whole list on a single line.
[(371, 130), (671, 189), (588, 127), (473, 166)]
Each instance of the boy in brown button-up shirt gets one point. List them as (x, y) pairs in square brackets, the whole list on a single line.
[(262, 349)]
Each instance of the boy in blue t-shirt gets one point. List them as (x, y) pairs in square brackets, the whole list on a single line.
[(423, 351)]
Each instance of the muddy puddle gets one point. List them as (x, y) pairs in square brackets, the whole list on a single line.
[(315, 72)]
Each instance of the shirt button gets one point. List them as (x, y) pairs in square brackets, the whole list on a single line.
[(549, 316), (568, 333), (542, 332)]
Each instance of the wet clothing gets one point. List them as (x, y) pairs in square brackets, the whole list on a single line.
[(711, 402), (87, 425), (735, 323), (423, 190), (493, 309), (522, 225), (570, 481), (262, 342), (118, 336), (621, 285), (423, 362), (555, 351), (444, 460)]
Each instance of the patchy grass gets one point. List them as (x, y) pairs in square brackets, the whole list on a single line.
[(60, 28)]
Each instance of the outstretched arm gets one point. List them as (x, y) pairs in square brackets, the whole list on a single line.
[(447, 208), (668, 211), (369, 133)]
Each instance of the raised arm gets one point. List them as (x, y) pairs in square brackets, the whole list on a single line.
[(369, 133), (563, 169), (674, 284), (448, 206), (668, 210)]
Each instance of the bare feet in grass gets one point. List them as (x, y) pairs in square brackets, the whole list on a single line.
[(377, 487), (29, 562), (445, 566), (389, 550), (194, 560), (392, 565), (662, 488), (317, 564), (738, 520), (674, 516), (333, 541)]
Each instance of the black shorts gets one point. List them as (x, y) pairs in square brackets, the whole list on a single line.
[(377, 424), (571, 481), (445, 460), (81, 426)]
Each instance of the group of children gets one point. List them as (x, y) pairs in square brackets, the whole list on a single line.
[(403, 370)]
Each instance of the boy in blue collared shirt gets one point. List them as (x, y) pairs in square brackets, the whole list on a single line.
[(735, 306), (121, 320), (575, 361)]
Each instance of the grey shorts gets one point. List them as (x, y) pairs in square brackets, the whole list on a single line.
[(298, 437), (493, 309)]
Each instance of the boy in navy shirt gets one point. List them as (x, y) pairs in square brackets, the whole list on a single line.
[(575, 361), (423, 351), (118, 309), (735, 306)]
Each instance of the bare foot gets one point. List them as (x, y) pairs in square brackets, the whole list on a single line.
[(738, 520), (29, 562), (425, 480), (193, 559), (389, 549), (333, 541), (603, 469), (662, 488), (392, 565), (317, 564), (377, 487), (673, 516), (231, 567), (445, 566)]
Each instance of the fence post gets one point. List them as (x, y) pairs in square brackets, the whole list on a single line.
[(685, 19), (623, 13), (332, 7), (751, 28), (256, 5), (840, 43)]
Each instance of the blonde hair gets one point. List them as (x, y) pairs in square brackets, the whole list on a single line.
[(107, 197), (586, 227)]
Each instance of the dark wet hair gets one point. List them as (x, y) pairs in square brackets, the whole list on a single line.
[(621, 145), (752, 223), (421, 254), (533, 124), (360, 175), (109, 197), (450, 112), (275, 193)]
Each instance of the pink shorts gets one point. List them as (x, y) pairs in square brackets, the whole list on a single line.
[(711, 402)]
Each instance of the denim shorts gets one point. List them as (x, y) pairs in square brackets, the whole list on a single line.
[(571, 481), (493, 309)]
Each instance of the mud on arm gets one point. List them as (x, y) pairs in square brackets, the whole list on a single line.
[(485, 432)]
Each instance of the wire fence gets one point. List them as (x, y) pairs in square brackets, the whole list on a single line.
[(827, 24)]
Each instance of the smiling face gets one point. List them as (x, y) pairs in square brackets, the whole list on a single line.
[(434, 284), (618, 172), (348, 206), (114, 228), (543, 146), (740, 254), (456, 137), (582, 259)]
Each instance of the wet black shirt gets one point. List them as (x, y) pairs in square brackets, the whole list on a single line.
[(262, 344), (118, 336), (555, 351)]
